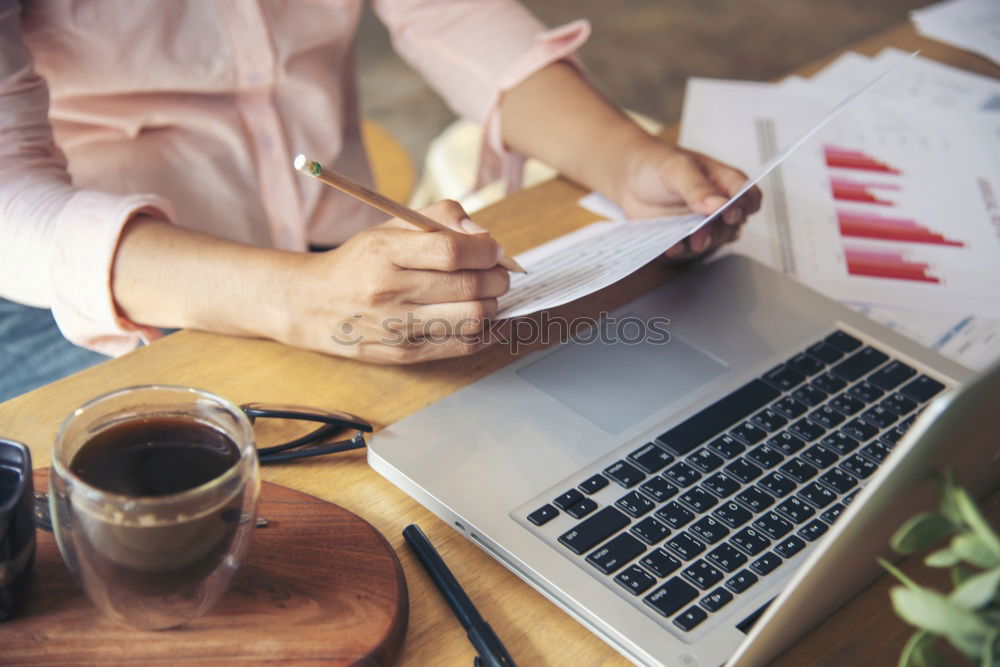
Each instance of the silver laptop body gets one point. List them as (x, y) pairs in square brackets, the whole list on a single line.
[(487, 457)]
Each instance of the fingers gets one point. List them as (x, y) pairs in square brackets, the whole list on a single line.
[(447, 320), (430, 287), (685, 174), (436, 251), (731, 181)]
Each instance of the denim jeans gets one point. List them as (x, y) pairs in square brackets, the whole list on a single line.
[(33, 351)]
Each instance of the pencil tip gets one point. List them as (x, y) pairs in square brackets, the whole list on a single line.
[(300, 162)]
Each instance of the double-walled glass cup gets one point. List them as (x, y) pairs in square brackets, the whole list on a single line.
[(154, 561)]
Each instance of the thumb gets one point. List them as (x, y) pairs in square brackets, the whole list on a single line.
[(691, 182)]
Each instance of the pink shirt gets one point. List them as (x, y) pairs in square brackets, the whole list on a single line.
[(193, 109)]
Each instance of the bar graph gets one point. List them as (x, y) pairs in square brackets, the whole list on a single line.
[(847, 189), (844, 158), (889, 264), (871, 226)]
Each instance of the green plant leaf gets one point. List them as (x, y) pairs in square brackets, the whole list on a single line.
[(991, 649), (970, 548), (942, 558), (960, 574), (978, 590), (921, 532), (932, 611), (977, 522), (919, 651), (949, 507), (896, 572)]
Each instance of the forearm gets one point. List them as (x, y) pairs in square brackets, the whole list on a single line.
[(167, 276), (556, 116)]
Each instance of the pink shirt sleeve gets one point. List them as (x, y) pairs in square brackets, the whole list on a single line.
[(472, 51), (57, 242)]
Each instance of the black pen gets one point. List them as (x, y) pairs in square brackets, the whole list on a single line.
[(491, 651)]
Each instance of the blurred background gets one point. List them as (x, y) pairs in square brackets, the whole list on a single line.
[(641, 52)]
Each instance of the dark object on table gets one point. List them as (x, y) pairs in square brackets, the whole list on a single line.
[(17, 526)]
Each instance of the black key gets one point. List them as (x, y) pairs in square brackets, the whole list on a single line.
[(704, 460), (613, 555), (650, 531), (787, 443), (695, 430), (908, 422), (865, 392), (635, 580), (716, 600), (674, 514), (660, 563), (625, 474), (721, 484), (839, 442), (582, 508), (765, 456), (838, 480), (826, 353), (858, 466), (593, 484), (708, 529), (682, 474), (891, 375), (826, 416), (893, 436), (777, 484), (843, 341), (671, 596), (879, 416), (571, 497), (658, 489), (690, 619), (742, 581), (832, 514), (828, 383), (789, 407), (769, 420), (798, 470), (635, 504), (922, 389), (766, 564), (876, 451), (755, 499), (809, 395), (898, 403), (789, 546), (859, 430), (807, 430), (819, 456), (846, 403), (750, 540), (702, 575), (850, 496), (585, 535), (728, 446), (732, 514), (743, 471), (772, 525), (749, 433), (795, 509), (685, 546), (651, 458), (816, 495), (805, 364), (858, 364), (727, 557), (543, 515), (782, 377), (812, 530)]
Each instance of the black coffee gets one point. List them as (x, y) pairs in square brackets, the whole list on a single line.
[(154, 456)]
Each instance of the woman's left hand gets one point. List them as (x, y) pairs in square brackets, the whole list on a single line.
[(660, 178)]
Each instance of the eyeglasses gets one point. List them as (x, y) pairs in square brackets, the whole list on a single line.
[(286, 419)]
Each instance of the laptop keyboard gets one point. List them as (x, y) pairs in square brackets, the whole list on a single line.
[(695, 518)]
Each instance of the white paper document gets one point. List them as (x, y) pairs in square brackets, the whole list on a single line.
[(973, 25)]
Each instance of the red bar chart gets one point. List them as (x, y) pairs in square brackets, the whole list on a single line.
[(844, 158), (886, 264), (871, 226), (847, 189)]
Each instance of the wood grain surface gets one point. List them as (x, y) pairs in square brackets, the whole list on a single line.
[(319, 585), (535, 631)]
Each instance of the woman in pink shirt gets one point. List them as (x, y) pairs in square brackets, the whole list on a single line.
[(145, 176)]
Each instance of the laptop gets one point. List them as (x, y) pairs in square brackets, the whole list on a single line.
[(705, 495)]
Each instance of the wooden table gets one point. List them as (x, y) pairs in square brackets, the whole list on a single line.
[(536, 632)]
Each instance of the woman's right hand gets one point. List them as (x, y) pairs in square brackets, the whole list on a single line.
[(397, 294)]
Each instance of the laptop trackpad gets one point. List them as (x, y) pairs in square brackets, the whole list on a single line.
[(613, 386)]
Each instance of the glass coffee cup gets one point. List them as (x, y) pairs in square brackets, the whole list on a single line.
[(153, 496)]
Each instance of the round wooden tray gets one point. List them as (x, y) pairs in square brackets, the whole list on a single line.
[(319, 584)]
